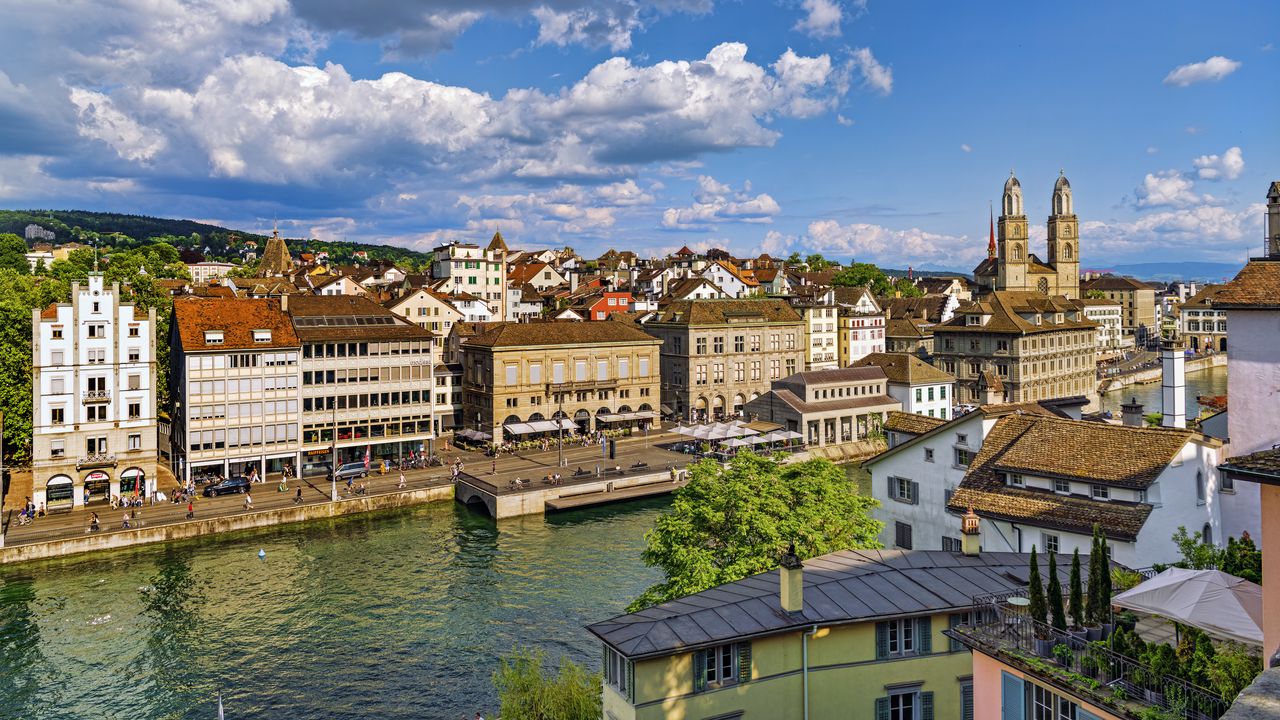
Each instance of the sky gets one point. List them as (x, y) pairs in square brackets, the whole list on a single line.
[(868, 130)]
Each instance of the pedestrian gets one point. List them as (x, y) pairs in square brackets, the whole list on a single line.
[(401, 486), (298, 498), (93, 523), (126, 525), (40, 513), (248, 500), (349, 483)]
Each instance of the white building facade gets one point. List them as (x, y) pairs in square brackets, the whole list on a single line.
[(475, 271), (94, 399)]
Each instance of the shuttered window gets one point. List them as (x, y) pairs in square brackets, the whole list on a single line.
[(910, 705), (721, 665), (966, 701), (908, 636), (1012, 698)]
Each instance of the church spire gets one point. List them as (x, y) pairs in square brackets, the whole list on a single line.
[(991, 226)]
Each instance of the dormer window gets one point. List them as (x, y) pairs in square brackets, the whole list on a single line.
[(1015, 480), (1057, 318), (212, 337), (1038, 319), (974, 319), (262, 336)]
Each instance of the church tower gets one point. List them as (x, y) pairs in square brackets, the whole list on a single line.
[(1064, 239), (1014, 256)]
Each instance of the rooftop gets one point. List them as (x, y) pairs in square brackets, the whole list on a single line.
[(511, 334), (1257, 286), (726, 311), (905, 422), (319, 318), (236, 318), (905, 368)]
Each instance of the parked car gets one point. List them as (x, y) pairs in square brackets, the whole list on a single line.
[(352, 470), (233, 484)]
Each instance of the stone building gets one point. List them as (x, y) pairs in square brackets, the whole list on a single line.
[(829, 407), (520, 380), (1203, 325), (861, 325), (1029, 346), (467, 269), (1137, 302), (719, 354), (1011, 265), (276, 261), (93, 398)]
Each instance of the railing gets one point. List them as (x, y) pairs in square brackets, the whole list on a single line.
[(97, 396), (96, 460), (1097, 675)]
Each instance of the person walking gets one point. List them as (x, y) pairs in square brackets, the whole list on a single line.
[(298, 498), (248, 500), (401, 485), (93, 522), (191, 510), (126, 525), (493, 467)]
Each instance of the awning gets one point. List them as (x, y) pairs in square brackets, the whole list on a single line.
[(518, 428), (666, 410), (1211, 600), (550, 425), (624, 417)]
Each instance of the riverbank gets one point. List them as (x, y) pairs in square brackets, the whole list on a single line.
[(1153, 375)]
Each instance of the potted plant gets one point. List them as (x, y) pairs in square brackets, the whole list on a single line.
[(1076, 600), (1063, 654), (1037, 610), (1096, 663), (1126, 620), (1160, 661), (1093, 604)]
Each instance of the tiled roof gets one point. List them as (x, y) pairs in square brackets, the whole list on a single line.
[(989, 266), (318, 318), (680, 289), (1207, 297), (905, 368), (1005, 307), (1256, 286), (908, 329), (850, 403), (992, 381), (725, 311), (842, 587), (1262, 466), (50, 313), (1114, 454), (511, 334), (905, 422), (497, 243), (275, 258), (237, 318), (852, 374), (1111, 282), (984, 490)]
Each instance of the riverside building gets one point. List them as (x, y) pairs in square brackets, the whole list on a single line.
[(93, 398)]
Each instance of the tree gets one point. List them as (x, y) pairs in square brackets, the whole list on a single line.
[(817, 263), (735, 521), (1196, 554), (1096, 295), (861, 275), (525, 690), (13, 253), (794, 259), (1057, 617), (19, 294), (1243, 559), (1035, 590), (1077, 597), (1232, 669), (1099, 602)]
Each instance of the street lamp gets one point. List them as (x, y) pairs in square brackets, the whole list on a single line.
[(333, 470)]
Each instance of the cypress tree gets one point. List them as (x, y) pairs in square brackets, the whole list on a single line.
[(1094, 611), (1057, 617), (1036, 591), (1104, 595), (1077, 597)]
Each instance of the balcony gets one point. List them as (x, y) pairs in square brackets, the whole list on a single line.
[(96, 396), (96, 460), (1088, 670)]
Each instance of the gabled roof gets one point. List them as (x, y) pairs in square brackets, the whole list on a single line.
[(800, 405), (319, 318), (994, 410), (497, 243), (1257, 286), (910, 423), (905, 368), (1111, 282), (511, 334), (236, 318), (723, 311), (1006, 307), (849, 586), (1206, 298)]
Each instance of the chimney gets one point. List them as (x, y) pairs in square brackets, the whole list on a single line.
[(1173, 385), (284, 302), (1132, 413), (971, 534), (791, 581), (573, 280)]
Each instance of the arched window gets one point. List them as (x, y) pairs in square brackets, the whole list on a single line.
[(1066, 251), (1017, 252), (1206, 535), (1200, 487)]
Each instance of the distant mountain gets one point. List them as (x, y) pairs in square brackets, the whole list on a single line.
[(1169, 271)]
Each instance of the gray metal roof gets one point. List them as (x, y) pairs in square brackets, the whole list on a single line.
[(841, 587)]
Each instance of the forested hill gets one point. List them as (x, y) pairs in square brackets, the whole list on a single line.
[(216, 242)]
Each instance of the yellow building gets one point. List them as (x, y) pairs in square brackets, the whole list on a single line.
[(853, 634)]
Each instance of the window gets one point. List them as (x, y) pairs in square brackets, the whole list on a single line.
[(1200, 490), (135, 410), (57, 333), (966, 700), (904, 490), (721, 665), (963, 458), (920, 395), (57, 416), (1062, 486), (962, 439), (58, 448), (950, 544), (1100, 492), (135, 442), (902, 535), (1016, 480), (135, 382), (619, 673), (903, 637), (97, 330), (1226, 483), (928, 454), (262, 336), (55, 357), (739, 343), (701, 345), (718, 344), (212, 337), (1051, 542)]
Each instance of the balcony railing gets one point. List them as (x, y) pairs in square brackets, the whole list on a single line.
[(1090, 670), (97, 396), (96, 460)]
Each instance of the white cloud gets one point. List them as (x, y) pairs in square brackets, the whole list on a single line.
[(715, 201), (966, 147), (587, 26), (874, 75), (844, 121), (822, 20), (1167, 188), (1152, 149), (1211, 232), (1211, 70), (1228, 166), (100, 120)]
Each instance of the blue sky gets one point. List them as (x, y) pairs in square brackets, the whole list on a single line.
[(878, 130)]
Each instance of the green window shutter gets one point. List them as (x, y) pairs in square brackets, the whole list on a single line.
[(952, 622), (744, 662), (631, 682), (700, 671), (915, 493), (966, 702), (924, 636), (882, 640), (926, 706), (882, 708), (1012, 698)]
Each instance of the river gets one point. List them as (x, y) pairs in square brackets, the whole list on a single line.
[(1212, 381), (390, 615)]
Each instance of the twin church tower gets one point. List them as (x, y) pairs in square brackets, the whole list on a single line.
[(1010, 264)]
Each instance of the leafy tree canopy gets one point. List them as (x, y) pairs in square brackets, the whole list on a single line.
[(870, 276), (525, 690), (13, 253), (735, 521), (1241, 558)]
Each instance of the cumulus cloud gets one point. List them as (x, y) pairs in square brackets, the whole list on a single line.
[(588, 26), (1211, 70), (966, 147), (1167, 188), (714, 201), (100, 120), (822, 18), (874, 75), (1211, 232), (1227, 166)]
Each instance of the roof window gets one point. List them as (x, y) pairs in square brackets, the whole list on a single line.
[(212, 337), (262, 336)]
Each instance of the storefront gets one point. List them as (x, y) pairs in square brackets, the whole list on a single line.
[(97, 487), (133, 482), (59, 493)]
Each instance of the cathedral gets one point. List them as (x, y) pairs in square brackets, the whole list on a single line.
[(1010, 264)]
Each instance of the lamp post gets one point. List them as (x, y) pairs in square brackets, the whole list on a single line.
[(560, 431), (333, 470)]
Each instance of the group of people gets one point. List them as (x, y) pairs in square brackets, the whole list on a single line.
[(30, 512)]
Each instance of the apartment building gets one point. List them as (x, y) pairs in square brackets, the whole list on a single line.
[(1137, 300), (862, 324), (1108, 315), (829, 407), (426, 309), (921, 388), (467, 268), (817, 305), (1016, 346), (93, 398), (719, 354), (524, 379), (234, 374), (1202, 323)]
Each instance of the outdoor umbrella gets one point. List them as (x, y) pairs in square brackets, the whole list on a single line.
[(682, 430), (1211, 600), (790, 435), (737, 442), (758, 439)]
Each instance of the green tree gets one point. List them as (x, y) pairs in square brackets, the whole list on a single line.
[(1077, 597), (794, 259), (1057, 616), (1196, 553), (861, 275), (1243, 559), (1099, 603), (19, 294), (905, 288), (817, 263), (735, 521), (527, 691), (1096, 295), (1035, 591), (13, 253), (1232, 669)]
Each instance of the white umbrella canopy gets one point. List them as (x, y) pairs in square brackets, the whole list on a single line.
[(737, 442), (790, 435), (758, 439), (703, 432), (1211, 600), (682, 429)]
